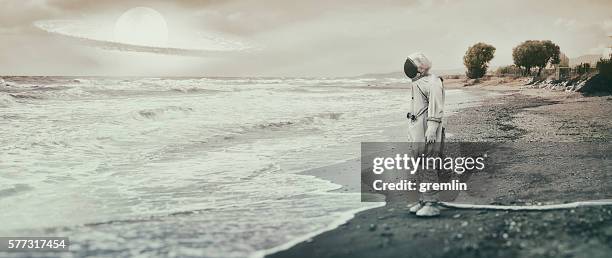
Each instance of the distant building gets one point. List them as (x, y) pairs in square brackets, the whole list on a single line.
[(562, 69)]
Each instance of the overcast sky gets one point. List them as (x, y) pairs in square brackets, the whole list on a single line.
[(302, 38)]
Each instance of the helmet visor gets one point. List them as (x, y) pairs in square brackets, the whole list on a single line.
[(410, 69)]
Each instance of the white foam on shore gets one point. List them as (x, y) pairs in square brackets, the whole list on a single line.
[(342, 218)]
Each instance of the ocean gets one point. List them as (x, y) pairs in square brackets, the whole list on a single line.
[(202, 167)]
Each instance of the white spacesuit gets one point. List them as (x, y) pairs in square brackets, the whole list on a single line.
[(426, 124)]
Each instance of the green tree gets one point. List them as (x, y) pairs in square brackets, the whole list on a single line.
[(604, 66), (536, 53), (476, 59), (583, 68)]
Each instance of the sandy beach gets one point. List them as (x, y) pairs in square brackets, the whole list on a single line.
[(514, 114)]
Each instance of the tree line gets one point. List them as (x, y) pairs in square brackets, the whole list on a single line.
[(526, 56)]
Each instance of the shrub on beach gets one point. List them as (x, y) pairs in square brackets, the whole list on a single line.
[(602, 81), (583, 68), (508, 70), (476, 59), (536, 54), (604, 66), (593, 84)]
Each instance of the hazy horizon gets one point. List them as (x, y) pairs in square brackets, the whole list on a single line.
[(287, 38)]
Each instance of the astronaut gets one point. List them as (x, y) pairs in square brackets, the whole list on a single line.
[(426, 125)]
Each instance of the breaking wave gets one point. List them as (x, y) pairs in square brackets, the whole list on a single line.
[(299, 122), (6, 100), (164, 112)]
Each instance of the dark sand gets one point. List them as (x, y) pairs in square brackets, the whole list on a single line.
[(522, 116)]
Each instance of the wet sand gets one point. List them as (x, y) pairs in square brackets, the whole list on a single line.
[(529, 116)]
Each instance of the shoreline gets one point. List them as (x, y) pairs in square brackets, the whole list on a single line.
[(514, 115), (345, 175)]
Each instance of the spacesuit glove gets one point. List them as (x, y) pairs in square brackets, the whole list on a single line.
[(432, 131)]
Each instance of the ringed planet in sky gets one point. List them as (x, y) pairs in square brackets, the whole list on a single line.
[(142, 26), (144, 29)]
